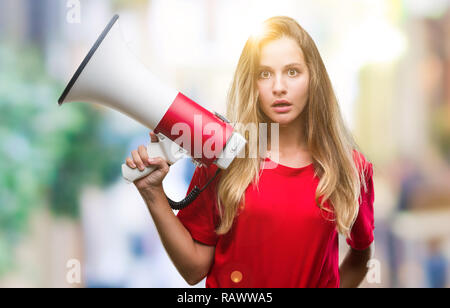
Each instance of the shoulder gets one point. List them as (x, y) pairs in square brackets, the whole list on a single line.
[(362, 163)]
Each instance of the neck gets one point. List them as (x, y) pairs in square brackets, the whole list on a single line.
[(291, 139)]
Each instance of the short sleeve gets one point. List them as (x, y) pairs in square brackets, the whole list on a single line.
[(361, 235), (200, 217)]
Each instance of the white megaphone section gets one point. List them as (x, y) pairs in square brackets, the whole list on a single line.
[(112, 76), (115, 78)]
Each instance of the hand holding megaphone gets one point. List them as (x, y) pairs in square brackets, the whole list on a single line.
[(150, 169), (159, 147)]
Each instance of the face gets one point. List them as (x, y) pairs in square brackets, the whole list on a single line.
[(283, 80)]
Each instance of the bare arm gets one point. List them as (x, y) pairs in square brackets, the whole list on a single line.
[(191, 258), (354, 267)]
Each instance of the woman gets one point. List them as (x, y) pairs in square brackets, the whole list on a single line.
[(274, 227)]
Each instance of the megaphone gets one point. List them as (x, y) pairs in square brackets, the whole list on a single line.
[(112, 76)]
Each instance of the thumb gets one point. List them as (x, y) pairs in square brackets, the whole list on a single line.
[(153, 137)]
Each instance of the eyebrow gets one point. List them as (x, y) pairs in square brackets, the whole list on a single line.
[(286, 66)]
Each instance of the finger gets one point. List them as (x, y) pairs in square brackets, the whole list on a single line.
[(159, 163), (137, 160), (153, 137), (130, 163), (142, 150)]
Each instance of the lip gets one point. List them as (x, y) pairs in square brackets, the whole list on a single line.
[(281, 109), (281, 101)]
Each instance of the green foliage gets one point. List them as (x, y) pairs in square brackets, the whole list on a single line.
[(48, 152)]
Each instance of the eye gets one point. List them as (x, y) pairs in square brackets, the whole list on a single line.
[(264, 75), (292, 72)]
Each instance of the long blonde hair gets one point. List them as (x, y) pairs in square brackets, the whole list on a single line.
[(329, 141)]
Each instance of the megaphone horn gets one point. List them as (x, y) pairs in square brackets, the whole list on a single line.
[(112, 76)]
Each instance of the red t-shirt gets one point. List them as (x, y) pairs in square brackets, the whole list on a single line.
[(280, 238)]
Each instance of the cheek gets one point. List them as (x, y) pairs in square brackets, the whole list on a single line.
[(265, 93), (300, 87)]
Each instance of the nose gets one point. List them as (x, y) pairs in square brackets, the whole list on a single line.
[(279, 86)]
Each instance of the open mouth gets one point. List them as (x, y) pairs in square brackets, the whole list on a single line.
[(282, 108)]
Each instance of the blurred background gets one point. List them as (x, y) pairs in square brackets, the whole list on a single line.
[(63, 203)]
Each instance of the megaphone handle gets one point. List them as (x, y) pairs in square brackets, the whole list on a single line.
[(165, 148), (132, 175)]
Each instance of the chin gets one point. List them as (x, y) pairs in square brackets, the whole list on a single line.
[(283, 119)]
